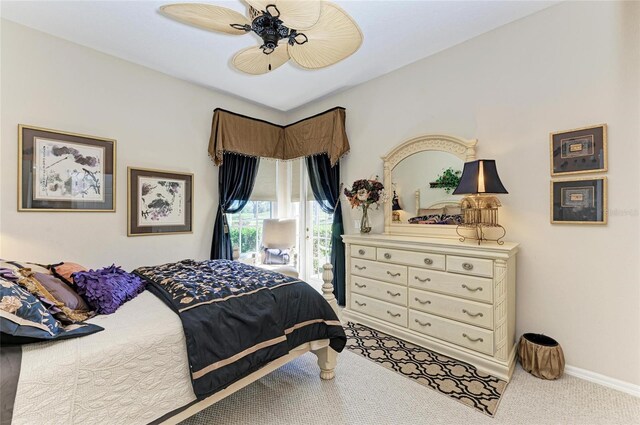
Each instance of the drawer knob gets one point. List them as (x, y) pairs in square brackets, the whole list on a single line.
[(387, 256), (393, 274), (360, 267), (472, 314), (467, 266), (428, 279), (396, 294), (361, 251), (393, 314), (428, 261), (422, 324), (360, 304), (473, 339), (422, 302), (360, 285), (479, 288)]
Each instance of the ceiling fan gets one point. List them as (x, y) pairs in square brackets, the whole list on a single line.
[(312, 33)]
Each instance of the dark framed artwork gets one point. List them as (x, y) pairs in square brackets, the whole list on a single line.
[(581, 150), (159, 202), (579, 201), (62, 171)]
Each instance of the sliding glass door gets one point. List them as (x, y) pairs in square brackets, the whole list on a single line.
[(282, 190)]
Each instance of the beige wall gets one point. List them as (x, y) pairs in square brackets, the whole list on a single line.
[(159, 122), (572, 65)]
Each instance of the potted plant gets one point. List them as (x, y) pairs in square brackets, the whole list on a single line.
[(448, 180), (363, 194)]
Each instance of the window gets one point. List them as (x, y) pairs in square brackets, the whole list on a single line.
[(320, 239), (246, 227)]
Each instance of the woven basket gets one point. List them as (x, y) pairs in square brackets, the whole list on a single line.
[(541, 356)]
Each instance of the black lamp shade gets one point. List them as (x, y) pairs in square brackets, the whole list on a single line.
[(395, 203), (480, 176)]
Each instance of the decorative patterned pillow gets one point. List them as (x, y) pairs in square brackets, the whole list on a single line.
[(25, 319), (108, 288), (437, 219), (275, 256), (69, 306), (14, 266), (65, 271), (451, 219), (425, 219)]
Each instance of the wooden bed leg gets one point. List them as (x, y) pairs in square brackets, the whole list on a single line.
[(327, 356)]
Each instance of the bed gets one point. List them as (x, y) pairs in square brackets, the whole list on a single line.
[(140, 369)]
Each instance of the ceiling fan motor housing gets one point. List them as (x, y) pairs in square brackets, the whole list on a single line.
[(271, 29)]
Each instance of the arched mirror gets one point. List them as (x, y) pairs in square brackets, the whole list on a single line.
[(423, 173)]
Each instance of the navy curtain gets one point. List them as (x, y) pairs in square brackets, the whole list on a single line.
[(236, 177), (325, 184)]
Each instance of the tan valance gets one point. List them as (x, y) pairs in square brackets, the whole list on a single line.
[(322, 133)]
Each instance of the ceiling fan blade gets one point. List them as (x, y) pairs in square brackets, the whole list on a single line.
[(253, 61), (206, 16), (333, 38), (296, 14)]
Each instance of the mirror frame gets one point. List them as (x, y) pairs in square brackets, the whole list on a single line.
[(462, 148)]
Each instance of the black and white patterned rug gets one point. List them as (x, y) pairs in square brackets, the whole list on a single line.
[(453, 378)]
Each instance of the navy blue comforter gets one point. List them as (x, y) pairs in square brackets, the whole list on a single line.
[(237, 317)]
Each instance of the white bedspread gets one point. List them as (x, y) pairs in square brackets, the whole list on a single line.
[(133, 372)]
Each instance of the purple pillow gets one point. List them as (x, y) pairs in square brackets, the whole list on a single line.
[(107, 289)]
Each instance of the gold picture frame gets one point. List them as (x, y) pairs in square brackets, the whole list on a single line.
[(58, 195), (579, 201), (135, 194), (578, 151)]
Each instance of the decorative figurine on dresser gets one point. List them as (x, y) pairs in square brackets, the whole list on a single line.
[(418, 282)]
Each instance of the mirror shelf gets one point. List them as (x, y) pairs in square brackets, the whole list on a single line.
[(460, 150)]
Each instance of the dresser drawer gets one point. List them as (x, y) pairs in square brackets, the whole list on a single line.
[(412, 258), (469, 336), (472, 312), (468, 265), (389, 292), (381, 271), (361, 251), (384, 311), (473, 288)]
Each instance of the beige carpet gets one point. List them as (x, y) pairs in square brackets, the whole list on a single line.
[(365, 393)]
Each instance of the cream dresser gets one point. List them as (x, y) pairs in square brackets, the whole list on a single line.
[(454, 298)]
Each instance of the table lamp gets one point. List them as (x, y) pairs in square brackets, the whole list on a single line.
[(480, 181)]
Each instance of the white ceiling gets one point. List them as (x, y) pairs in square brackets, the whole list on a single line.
[(396, 33)]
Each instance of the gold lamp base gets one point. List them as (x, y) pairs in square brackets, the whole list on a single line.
[(480, 214)]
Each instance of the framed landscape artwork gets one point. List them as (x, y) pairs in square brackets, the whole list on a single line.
[(61, 171), (579, 201), (581, 150), (159, 202)]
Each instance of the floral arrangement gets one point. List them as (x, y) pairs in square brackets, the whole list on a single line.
[(365, 192)]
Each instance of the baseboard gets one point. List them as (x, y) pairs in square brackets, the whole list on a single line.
[(616, 384)]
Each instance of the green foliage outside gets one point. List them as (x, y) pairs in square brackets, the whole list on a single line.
[(249, 238), (321, 246), (448, 180)]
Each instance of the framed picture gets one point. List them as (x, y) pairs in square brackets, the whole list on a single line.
[(61, 171), (582, 150), (159, 202), (579, 201)]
